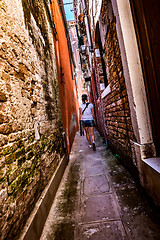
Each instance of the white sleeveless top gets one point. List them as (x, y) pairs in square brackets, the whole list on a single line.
[(87, 115)]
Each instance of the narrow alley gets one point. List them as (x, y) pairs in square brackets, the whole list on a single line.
[(99, 200), (67, 64)]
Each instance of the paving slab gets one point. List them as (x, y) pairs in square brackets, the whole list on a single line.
[(102, 207), (93, 170), (97, 184), (102, 231)]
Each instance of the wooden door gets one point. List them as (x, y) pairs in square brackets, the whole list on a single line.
[(146, 15)]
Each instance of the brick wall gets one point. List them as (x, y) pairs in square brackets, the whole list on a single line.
[(97, 92), (31, 143), (116, 107)]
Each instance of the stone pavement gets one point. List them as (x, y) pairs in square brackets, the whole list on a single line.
[(99, 200)]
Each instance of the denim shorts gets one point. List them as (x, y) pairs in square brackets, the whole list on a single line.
[(88, 123)]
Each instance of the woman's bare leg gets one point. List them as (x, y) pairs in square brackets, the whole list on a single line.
[(87, 134), (91, 130)]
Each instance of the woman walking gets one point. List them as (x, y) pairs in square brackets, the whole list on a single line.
[(86, 115)]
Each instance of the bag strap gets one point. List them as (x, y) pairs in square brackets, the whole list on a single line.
[(85, 108)]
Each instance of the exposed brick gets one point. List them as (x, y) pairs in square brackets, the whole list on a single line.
[(121, 130), (10, 158), (15, 136), (3, 195), (5, 128), (122, 125), (131, 135), (129, 126), (3, 97), (29, 155), (13, 175), (5, 76), (24, 69), (126, 106), (116, 106), (3, 140), (3, 118), (19, 75), (127, 113), (2, 160), (121, 119)]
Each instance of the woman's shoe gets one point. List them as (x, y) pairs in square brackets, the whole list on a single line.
[(94, 146)]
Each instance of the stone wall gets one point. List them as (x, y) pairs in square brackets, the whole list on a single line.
[(116, 106), (31, 142)]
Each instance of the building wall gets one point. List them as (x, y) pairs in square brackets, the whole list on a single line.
[(132, 21), (125, 28), (97, 101), (65, 68), (114, 99), (31, 142), (81, 85), (117, 112)]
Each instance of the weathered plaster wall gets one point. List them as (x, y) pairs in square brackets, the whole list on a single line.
[(31, 142), (67, 84)]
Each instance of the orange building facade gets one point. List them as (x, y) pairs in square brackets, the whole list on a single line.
[(65, 69)]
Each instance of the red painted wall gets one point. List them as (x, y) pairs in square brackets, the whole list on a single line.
[(67, 86)]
